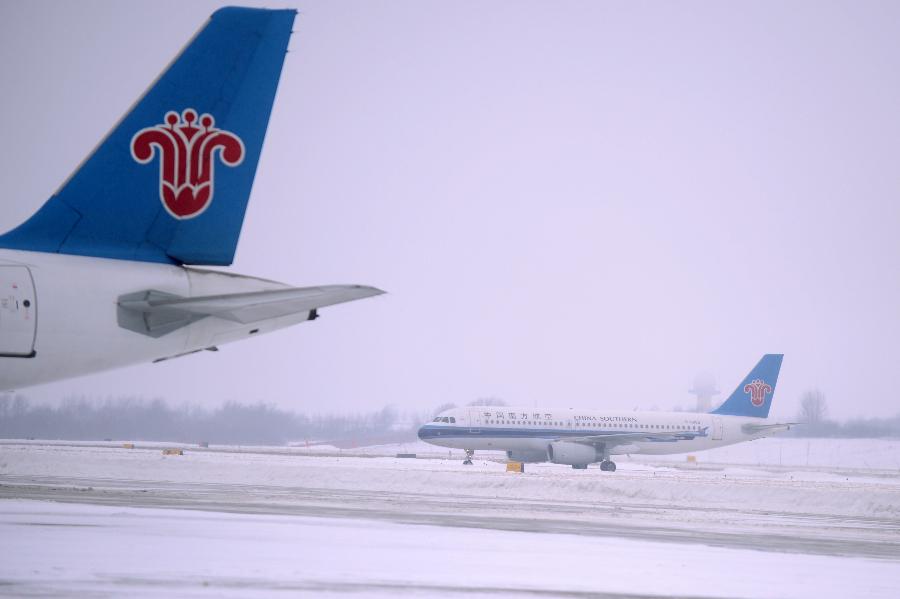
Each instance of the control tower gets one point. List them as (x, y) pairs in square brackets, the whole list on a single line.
[(704, 387)]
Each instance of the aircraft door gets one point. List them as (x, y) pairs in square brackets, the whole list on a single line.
[(475, 421), (18, 312), (717, 428)]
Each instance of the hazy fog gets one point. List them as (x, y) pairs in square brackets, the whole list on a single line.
[(569, 203)]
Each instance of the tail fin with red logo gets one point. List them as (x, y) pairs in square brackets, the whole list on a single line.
[(171, 181), (753, 397)]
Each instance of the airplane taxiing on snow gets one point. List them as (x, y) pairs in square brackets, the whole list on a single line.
[(578, 438), (98, 277)]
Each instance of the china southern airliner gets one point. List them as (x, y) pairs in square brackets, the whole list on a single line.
[(98, 277), (578, 438)]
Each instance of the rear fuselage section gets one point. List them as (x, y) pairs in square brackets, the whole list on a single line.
[(71, 324)]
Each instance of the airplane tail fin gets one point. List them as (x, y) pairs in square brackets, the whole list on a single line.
[(753, 397), (171, 181)]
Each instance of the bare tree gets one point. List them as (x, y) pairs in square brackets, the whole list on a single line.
[(813, 408), (442, 408), (488, 401)]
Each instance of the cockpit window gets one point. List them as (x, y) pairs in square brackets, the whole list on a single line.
[(445, 419), (452, 420), (438, 419)]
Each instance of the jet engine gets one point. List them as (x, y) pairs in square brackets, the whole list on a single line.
[(572, 454), (527, 456)]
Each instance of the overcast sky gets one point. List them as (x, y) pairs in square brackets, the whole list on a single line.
[(570, 203)]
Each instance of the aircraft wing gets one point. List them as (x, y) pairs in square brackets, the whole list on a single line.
[(155, 313), (624, 438), (751, 429)]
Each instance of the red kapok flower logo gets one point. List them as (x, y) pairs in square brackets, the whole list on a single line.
[(758, 390), (187, 150)]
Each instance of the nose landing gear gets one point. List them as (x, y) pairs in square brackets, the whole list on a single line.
[(469, 454)]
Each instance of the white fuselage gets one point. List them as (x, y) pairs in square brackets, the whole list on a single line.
[(531, 431), (72, 313)]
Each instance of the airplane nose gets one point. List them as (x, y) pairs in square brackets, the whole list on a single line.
[(421, 432)]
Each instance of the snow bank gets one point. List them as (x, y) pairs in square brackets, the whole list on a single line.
[(841, 492)]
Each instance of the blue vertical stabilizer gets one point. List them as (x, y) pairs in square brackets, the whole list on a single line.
[(753, 397), (170, 182)]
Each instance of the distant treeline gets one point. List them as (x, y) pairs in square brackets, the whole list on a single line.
[(139, 419), (859, 428)]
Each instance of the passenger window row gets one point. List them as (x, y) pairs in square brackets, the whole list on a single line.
[(586, 425)]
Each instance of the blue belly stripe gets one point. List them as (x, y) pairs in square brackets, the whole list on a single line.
[(443, 432)]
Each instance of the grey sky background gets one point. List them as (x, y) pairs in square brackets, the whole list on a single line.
[(570, 203)]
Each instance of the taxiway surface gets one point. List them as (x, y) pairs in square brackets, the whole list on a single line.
[(435, 526)]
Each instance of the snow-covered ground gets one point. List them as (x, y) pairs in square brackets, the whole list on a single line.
[(81, 550), (773, 518), (831, 454)]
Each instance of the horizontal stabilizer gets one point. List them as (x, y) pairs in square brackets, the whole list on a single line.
[(752, 429), (155, 313)]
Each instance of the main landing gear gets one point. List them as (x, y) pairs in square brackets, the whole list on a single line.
[(606, 464), (469, 454)]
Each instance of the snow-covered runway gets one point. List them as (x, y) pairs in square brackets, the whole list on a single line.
[(76, 520)]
